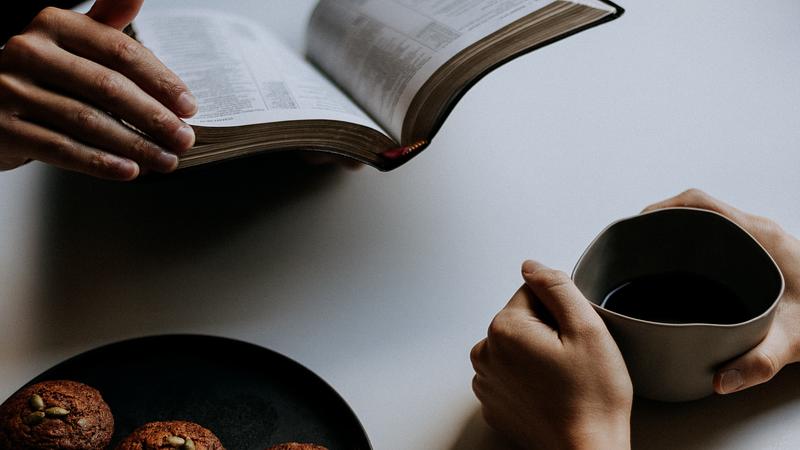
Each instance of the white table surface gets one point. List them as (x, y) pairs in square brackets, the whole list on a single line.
[(381, 283)]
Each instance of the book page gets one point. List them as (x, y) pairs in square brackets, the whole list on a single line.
[(241, 74), (383, 51)]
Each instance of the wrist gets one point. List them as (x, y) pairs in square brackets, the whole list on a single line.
[(608, 433)]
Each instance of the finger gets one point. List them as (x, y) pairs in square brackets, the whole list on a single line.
[(115, 13), (482, 389), (96, 128), (103, 88), (524, 321), (763, 229), (695, 198), (61, 151), (94, 41), (9, 162), (524, 302), (477, 387), (757, 366), (562, 299), (478, 356)]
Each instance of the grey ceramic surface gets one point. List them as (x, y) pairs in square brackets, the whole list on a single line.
[(676, 362)]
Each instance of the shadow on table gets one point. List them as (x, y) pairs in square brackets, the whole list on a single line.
[(476, 435), (703, 424), (121, 259), (708, 423)]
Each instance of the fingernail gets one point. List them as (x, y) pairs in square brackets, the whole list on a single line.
[(528, 266), (185, 136), (187, 104), (128, 170), (167, 161), (731, 381)]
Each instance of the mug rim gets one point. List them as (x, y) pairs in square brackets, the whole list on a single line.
[(761, 316)]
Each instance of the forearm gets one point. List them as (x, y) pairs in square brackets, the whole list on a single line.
[(18, 14)]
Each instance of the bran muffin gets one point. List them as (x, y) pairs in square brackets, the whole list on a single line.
[(56, 415), (176, 435)]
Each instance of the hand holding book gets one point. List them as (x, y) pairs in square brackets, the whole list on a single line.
[(379, 79), (67, 83), (378, 82)]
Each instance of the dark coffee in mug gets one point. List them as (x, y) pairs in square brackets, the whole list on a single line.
[(678, 297)]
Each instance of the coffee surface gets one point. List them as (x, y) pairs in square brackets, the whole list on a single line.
[(678, 297)]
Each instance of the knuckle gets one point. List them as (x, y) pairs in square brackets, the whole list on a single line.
[(696, 198), (164, 121), (476, 354), (768, 227), (476, 385), (19, 46), (766, 365), (98, 162), (47, 17), (87, 118), (502, 331), (140, 145), (481, 388), (13, 117), (549, 278), (110, 85), (8, 86), (125, 51), (693, 194), (170, 87), (143, 149)]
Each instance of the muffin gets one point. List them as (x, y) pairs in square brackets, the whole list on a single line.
[(56, 415), (168, 435), (296, 446)]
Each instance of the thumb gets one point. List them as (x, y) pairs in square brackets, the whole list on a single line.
[(757, 366), (115, 13), (562, 299)]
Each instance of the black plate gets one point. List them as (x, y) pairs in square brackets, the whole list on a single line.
[(250, 397)]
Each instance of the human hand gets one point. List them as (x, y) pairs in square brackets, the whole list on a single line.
[(550, 375), (67, 83), (782, 344)]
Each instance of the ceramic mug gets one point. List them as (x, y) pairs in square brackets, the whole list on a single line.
[(677, 362)]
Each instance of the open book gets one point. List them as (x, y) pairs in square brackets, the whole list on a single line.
[(379, 78)]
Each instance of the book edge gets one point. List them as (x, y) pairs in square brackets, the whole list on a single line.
[(617, 13)]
